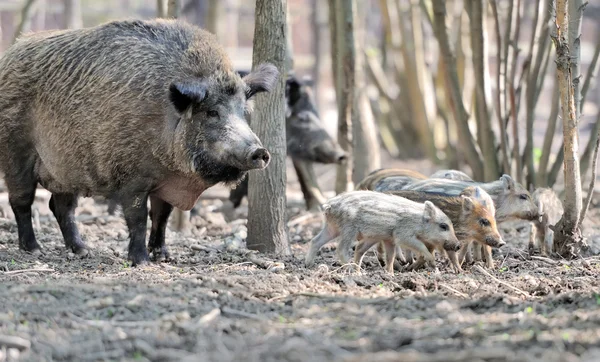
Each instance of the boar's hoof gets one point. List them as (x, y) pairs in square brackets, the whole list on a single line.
[(79, 248), (138, 258), (159, 254)]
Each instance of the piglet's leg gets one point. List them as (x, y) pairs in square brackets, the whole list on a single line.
[(362, 247), (454, 261), (390, 256), (417, 246), (487, 253), (464, 251), (348, 236), (328, 233)]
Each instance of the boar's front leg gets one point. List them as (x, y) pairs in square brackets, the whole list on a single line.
[(159, 214), (135, 211), (63, 207)]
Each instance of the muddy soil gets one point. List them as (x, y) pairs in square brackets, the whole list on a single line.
[(216, 301)]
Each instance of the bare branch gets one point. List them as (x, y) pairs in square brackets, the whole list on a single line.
[(588, 200)]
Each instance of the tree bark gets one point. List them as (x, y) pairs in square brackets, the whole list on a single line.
[(161, 8), (453, 91), (483, 89), (212, 17), (366, 143), (320, 46), (344, 54), (173, 9), (267, 231), (567, 234)]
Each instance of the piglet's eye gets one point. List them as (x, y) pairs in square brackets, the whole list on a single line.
[(213, 113), (444, 226), (524, 197), (484, 222)]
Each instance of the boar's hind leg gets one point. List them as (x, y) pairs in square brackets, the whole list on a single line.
[(135, 211), (159, 214), (21, 193), (63, 207)]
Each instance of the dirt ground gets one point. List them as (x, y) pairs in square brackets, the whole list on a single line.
[(215, 301)]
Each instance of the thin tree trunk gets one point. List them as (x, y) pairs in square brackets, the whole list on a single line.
[(483, 89), (345, 70), (549, 137), (212, 16), (161, 8), (567, 234), (590, 77), (73, 16), (26, 12), (453, 90), (180, 219), (501, 60), (366, 142), (267, 231), (319, 30)]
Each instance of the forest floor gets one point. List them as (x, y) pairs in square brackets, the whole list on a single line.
[(215, 301)]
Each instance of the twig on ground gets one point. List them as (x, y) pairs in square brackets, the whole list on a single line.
[(545, 260), (208, 249), (449, 288), (303, 219), (209, 317), (14, 342), (484, 272), (239, 313), (23, 271)]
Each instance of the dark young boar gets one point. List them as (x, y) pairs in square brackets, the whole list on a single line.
[(397, 177), (451, 175), (307, 139), (472, 220), (134, 110)]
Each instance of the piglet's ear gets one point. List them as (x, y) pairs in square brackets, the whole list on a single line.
[(261, 79), (185, 93), (429, 213)]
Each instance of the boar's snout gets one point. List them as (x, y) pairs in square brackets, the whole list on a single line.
[(494, 242), (452, 245), (257, 159)]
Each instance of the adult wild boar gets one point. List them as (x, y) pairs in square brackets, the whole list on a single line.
[(134, 110), (307, 141)]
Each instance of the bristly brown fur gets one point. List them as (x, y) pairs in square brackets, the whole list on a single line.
[(372, 179)]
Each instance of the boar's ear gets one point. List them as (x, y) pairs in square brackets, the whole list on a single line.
[(185, 93), (261, 79), (429, 213), (468, 205), (508, 182)]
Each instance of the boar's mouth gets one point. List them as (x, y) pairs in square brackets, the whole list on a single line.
[(213, 171)]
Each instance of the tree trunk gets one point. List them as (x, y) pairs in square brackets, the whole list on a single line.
[(28, 10), (479, 47), (453, 92), (568, 239), (73, 16), (267, 231), (212, 16), (366, 143), (319, 24), (180, 219), (344, 53), (161, 8)]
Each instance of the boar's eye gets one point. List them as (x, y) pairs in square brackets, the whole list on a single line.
[(213, 114), (524, 197), (484, 222), (444, 226)]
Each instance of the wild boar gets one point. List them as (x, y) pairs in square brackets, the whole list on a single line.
[(371, 217), (510, 198), (134, 110), (307, 141), (551, 210), (473, 220), (397, 177)]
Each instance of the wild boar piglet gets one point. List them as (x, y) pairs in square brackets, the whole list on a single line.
[(370, 217)]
